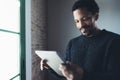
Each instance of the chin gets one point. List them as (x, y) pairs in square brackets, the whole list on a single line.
[(85, 34)]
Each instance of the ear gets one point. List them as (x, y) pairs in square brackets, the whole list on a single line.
[(96, 16)]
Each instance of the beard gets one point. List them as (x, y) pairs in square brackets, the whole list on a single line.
[(86, 30)]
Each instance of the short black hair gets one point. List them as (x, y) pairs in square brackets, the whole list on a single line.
[(90, 5)]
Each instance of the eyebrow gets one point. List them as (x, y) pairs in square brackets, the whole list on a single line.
[(85, 16)]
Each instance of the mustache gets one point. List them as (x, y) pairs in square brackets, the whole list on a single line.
[(83, 27)]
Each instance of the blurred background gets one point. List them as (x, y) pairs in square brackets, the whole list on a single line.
[(29, 25)]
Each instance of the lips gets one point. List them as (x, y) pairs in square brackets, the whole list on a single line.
[(83, 30)]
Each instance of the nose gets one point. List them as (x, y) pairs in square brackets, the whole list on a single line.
[(80, 24)]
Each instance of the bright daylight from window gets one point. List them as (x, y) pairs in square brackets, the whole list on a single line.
[(9, 39)]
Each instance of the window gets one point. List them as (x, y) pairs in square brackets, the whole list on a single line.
[(10, 39)]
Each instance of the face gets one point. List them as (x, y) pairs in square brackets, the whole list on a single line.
[(85, 21)]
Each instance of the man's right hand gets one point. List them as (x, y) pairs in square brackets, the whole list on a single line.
[(71, 71), (44, 65)]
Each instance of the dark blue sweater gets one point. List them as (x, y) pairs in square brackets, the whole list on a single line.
[(99, 56)]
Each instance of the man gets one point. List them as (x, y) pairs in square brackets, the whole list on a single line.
[(95, 54)]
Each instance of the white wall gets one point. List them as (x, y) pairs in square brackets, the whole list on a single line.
[(109, 15), (61, 26)]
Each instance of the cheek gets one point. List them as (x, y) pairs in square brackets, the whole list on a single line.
[(88, 22), (78, 25)]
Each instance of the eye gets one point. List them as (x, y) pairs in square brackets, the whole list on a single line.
[(86, 18), (76, 21)]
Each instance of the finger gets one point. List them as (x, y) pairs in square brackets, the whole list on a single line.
[(60, 67), (46, 67), (68, 62), (41, 64)]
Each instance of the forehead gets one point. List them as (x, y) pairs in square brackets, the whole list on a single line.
[(81, 12)]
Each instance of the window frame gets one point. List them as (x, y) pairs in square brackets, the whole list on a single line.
[(22, 41)]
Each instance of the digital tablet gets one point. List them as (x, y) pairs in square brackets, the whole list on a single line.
[(53, 60)]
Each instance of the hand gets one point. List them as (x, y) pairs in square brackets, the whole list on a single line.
[(71, 71), (44, 65)]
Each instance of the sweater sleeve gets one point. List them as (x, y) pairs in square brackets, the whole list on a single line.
[(113, 61), (111, 66)]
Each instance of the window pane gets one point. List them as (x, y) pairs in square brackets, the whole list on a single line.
[(9, 15), (17, 78), (9, 55)]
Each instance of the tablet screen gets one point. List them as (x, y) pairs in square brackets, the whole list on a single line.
[(53, 60)]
